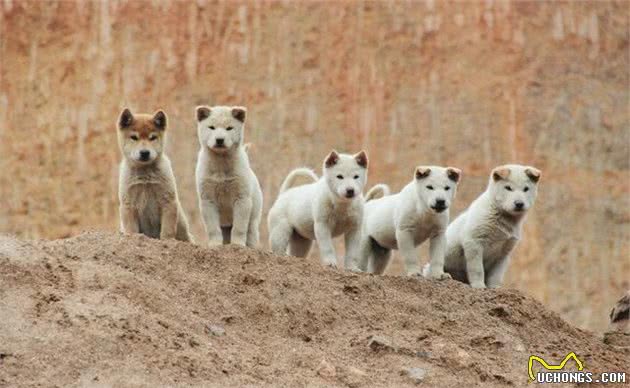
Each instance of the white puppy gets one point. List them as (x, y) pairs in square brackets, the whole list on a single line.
[(230, 198), (481, 238), (327, 208), (406, 219)]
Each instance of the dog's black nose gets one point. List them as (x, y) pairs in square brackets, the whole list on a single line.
[(144, 155), (349, 193), (220, 142), (440, 203), (519, 205)]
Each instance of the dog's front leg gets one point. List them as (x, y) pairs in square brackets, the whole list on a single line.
[(436, 252), (494, 277), (473, 251), (352, 240), (168, 221), (325, 243), (211, 221), (364, 252), (129, 222), (407, 248), (240, 220)]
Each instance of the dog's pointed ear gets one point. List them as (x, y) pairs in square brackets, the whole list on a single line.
[(159, 119), (500, 173), (203, 112), (454, 174), (362, 159), (125, 119), (422, 172), (331, 159), (533, 173), (239, 113)]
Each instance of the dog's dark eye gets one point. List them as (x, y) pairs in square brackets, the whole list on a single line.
[(211, 127), (356, 177), (526, 189), (229, 128), (134, 137), (339, 176), (430, 187), (508, 188), (447, 188)]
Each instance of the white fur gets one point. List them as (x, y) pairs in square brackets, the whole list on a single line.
[(481, 239), (377, 191), (230, 197), (405, 220), (320, 210)]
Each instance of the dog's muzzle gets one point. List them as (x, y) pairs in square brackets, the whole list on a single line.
[(519, 206), (440, 206), (350, 193), (144, 156)]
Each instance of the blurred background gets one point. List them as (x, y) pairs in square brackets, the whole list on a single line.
[(469, 84)]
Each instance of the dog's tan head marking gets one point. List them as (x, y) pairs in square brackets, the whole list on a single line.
[(203, 112), (142, 124), (454, 174), (331, 159), (533, 173), (141, 136), (500, 173), (422, 172), (362, 159), (239, 113)]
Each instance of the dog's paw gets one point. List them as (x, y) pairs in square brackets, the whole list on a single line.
[(330, 264), (440, 276), (494, 286), (354, 268), (478, 285)]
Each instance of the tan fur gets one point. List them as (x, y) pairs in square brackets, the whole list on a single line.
[(147, 190), (500, 173)]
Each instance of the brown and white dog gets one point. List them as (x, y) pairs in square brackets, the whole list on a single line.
[(147, 191)]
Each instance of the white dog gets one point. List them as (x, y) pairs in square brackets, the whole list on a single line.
[(329, 207), (481, 238), (229, 193), (405, 220)]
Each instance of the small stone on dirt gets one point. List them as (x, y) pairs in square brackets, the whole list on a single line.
[(326, 370), (415, 374), (378, 344), (216, 330)]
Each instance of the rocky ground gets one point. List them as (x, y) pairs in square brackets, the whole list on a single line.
[(105, 309)]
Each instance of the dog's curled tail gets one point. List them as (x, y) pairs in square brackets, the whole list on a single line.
[(290, 179), (377, 191)]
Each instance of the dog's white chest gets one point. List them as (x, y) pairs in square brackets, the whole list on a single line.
[(342, 223), (223, 192)]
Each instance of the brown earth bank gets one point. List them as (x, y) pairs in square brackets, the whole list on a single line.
[(470, 84), (106, 309)]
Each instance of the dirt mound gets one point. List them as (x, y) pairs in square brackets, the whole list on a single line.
[(106, 309)]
